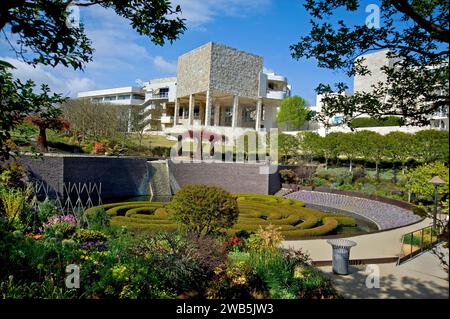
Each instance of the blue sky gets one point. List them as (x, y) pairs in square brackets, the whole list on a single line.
[(263, 27)]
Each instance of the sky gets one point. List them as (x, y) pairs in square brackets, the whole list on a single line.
[(123, 58)]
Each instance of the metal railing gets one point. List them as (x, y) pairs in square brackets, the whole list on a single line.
[(416, 242)]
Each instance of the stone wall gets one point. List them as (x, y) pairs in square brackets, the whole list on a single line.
[(233, 177), (219, 68), (119, 177), (374, 62), (122, 177), (235, 72), (194, 70)]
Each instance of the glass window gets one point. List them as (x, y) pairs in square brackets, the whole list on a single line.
[(138, 97), (110, 98), (124, 97)]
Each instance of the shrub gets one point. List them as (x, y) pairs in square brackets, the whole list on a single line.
[(97, 219), (236, 281), (47, 209), (87, 235), (288, 176), (203, 209), (60, 226)]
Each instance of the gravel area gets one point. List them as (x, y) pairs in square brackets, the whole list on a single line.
[(384, 215)]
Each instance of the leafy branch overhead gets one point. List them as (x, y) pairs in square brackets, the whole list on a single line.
[(416, 35), (44, 36)]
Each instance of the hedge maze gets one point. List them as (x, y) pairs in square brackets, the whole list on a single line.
[(290, 215)]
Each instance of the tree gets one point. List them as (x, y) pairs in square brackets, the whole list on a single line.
[(310, 144), (19, 100), (348, 147), (418, 180), (372, 147), (47, 119), (287, 145), (431, 145), (203, 209), (293, 113), (95, 120), (400, 148), (38, 33), (416, 34), (41, 26), (141, 120)]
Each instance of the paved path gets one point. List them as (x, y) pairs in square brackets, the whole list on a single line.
[(421, 277), (378, 245)]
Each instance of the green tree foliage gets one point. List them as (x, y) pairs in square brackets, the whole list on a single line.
[(41, 27), (287, 145), (39, 33), (310, 144), (293, 113), (372, 147), (203, 209), (400, 147), (374, 122), (418, 180), (416, 34), (431, 145)]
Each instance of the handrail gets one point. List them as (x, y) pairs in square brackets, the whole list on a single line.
[(419, 240)]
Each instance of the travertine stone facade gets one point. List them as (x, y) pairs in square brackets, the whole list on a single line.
[(234, 71), (193, 71), (219, 68), (374, 62)]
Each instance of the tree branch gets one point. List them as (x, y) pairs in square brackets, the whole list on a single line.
[(435, 31)]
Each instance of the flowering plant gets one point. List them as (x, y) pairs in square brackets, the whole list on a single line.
[(64, 224), (232, 244), (99, 148)]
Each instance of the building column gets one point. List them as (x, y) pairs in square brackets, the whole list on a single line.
[(191, 109), (258, 114), (235, 113), (217, 114), (175, 111), (208, 108)]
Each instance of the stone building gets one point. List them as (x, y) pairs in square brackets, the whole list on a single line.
[(215, 86)]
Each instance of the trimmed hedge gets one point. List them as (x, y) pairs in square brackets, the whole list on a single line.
[(255, 211)]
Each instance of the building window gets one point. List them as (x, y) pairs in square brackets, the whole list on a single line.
[(196, 112), (124, 97), (249, 114), (138, 97), (110, 98), (97, 99)]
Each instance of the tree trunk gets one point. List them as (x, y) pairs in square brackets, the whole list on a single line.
[(377, 172), (326, 163), (351, 166), (42, 145)]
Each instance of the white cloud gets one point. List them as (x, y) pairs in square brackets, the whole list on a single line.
[(59, 79), (200, 12), (165, 65)]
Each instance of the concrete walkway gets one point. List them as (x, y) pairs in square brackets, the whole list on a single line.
[(379, 245), (421, 277)]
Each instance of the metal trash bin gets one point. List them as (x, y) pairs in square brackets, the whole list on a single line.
[(341, 255)]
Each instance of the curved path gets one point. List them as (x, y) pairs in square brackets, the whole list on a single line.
[(386, 244), (384, 215)]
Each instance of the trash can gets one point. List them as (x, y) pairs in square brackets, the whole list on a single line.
[(341, 254)]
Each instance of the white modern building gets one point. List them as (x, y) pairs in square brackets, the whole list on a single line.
[(216, 86), (364, 83)]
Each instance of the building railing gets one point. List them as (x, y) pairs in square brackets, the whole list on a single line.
[(417, 241), (160, 95)]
